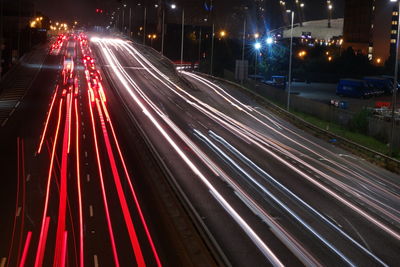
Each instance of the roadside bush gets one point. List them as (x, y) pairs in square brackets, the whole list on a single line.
[(360, 122)]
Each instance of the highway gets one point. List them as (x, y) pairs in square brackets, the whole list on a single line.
[(115, 158), (76, 196), (268, 192)]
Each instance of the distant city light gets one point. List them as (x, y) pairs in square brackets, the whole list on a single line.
[(256, 35), (173, 6), (302, 54)]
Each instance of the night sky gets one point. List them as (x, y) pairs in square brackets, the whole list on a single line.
[(84, 10)]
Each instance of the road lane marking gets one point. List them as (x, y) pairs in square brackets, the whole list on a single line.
[(359, 234), (28, 177), (88, 177), (179, 106), (84, 136), (3, 262), (86, 154), (202, 124), (95, 261), (91, 210), (18, 211), (4, 122)]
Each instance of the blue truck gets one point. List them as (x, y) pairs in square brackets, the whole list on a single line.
[(354, 88), (382, 85)]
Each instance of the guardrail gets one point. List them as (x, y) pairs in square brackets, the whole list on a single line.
[(372, 156)]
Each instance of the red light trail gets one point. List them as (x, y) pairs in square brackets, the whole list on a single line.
[(61, 132)]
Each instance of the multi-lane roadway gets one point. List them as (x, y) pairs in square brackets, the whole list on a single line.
[(268, 192), (73, 195), (109, 127)]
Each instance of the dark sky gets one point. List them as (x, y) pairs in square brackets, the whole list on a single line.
[(84, 10)]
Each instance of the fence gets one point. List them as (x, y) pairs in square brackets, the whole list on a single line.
[(377, 128)]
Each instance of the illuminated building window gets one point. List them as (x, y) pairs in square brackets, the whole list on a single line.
[(394, 22), (393, 31), (395, 13), (393, 41)]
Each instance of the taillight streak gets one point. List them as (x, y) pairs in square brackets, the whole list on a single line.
[(47, 120), (110, 229), (121, 196), (42, 238), (63, 185), (78, 181)]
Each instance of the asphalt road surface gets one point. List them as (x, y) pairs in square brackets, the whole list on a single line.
[(268, 192)]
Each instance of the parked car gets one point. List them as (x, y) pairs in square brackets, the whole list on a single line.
[(381, 84), (277, 82), (354, 88)]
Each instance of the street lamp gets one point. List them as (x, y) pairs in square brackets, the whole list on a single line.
[(290, 60), (330, 7), (144, 23), (269, 40), (173, 6), (257, 47), (396, 70)]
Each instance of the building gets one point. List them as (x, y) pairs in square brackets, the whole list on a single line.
[(358, 25), (393, 30), (317, 29), (370, 27)]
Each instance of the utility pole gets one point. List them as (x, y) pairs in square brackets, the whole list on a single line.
[(290, 63), (243, 48), (163, 31), (212, 49), (395, 82), (183, 34), (144, 25), (200, 32), (130, 22)]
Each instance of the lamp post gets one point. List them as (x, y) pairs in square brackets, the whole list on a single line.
[(162, 31), (212, 49), (243, 48), (395, 81), (183, 34), (330, 7), (130, 22), (290, 60), (123, 18), (257, 47)]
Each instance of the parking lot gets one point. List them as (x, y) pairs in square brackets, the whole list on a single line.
[(325, 92)]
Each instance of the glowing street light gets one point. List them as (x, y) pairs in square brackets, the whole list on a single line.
[(257, 46), (173, 6), (222, 34), (269, 40), (330, 7)]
